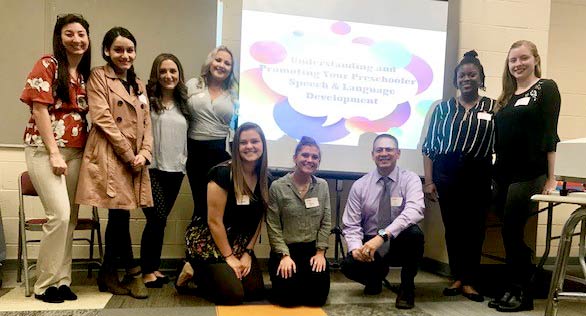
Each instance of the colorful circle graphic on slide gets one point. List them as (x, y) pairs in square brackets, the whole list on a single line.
[(268, 52), (286, 112)]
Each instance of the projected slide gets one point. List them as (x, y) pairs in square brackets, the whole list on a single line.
[(336, 80)]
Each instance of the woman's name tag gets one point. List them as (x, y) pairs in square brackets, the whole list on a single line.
[(243, 200), (522, 101), (311, 202), (484, 116), (142, 98)]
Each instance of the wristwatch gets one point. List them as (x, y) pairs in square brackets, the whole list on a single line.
[(383, 233)]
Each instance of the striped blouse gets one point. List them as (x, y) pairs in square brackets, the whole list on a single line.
[(453, 129)]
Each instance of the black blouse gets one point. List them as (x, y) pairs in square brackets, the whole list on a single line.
[(526, 130), (238, 219)]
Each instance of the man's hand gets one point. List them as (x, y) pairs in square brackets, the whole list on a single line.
[(371, 246)]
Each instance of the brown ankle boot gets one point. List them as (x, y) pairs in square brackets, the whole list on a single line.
[(108, 282), (135, 285)]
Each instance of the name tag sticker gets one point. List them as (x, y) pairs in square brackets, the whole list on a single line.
[(243, 200), (311, 202), (522, 101), (396, 201), (484, 116), (142, 98)]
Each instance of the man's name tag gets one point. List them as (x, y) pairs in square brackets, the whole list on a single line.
[(396, 201), (311, 202), (484, 116), (243, 200), (522, 101)]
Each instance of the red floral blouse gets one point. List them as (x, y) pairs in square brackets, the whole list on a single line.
[(67, 118)]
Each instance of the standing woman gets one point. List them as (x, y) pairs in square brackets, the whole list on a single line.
[(221, 248), (169, 112), (55, 136), (113, 171), (298, 225), (212, 98), (526, 140), (457, 155)]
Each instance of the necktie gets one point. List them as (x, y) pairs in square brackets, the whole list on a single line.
[(384, 206)]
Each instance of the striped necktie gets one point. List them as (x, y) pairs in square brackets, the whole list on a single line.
[(384, 206)]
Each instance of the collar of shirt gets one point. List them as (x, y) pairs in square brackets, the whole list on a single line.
[(289, 178), (394, 175)]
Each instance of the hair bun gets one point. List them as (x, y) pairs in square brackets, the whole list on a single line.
[(471, 54)]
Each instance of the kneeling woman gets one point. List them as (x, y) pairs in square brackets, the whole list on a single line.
[(221, 249), (298, 225)]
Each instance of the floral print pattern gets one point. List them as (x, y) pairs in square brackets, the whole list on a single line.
[(202, 248), (68, 119)]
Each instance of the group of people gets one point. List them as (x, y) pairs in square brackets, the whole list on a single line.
[(520, 128), (104, 138)]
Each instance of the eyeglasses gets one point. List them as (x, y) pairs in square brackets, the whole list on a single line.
[(63, 15)]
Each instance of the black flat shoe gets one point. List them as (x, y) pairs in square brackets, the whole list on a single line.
[(452, 291), (373, 289), (66, 293), (164, 279), (156, 284), (516, 303), (405, 299), (51, 295), (494, 303), (474, 297)]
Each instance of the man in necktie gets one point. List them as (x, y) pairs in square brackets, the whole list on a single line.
[(380, 223)]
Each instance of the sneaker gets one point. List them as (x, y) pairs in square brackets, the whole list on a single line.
[(51, 295)]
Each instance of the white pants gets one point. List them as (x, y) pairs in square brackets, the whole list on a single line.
[(57, 193)]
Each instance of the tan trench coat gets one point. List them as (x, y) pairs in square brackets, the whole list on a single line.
[(121, 129)]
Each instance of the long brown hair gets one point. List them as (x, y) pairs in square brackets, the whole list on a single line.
[(154, 87), (60, 54), (510, 83), (109, 39), (261, 168)]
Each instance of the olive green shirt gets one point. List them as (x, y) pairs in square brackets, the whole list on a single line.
[(289, 220)]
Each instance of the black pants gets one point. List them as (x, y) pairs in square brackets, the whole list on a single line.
[(464, 189), (406, 250), (219, 284), (165, 187), (202, 156), (118, 252), (515, 206), (306, 287)]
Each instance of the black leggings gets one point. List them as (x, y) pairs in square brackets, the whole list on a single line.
[(306, 287), (515, 206), (118, 250), (219, 284), (165, 187), (202, 156)]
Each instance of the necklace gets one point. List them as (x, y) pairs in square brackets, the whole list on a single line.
[(303, 188), (167, 105)]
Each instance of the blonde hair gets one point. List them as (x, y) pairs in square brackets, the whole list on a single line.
[(230, 83), (510, 83)]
